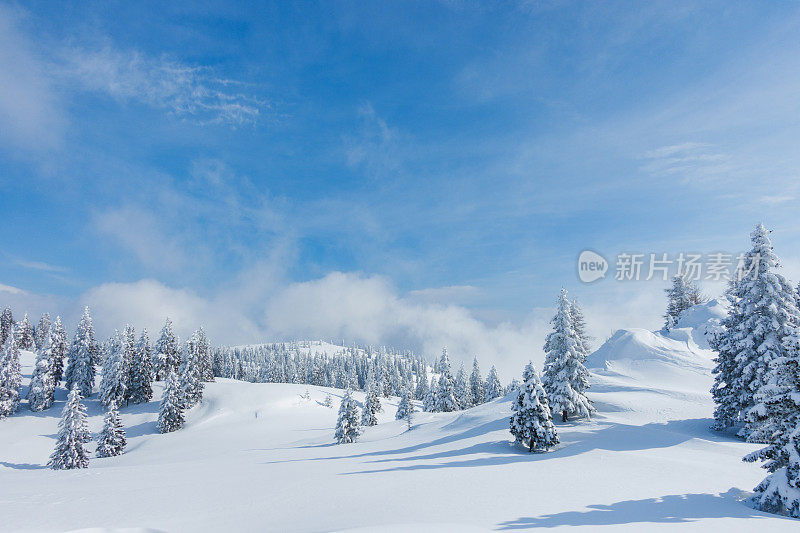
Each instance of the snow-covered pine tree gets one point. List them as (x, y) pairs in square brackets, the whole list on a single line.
[(372, 402), (139, 373), (476, 385), (6, 325), (761, 321), (114, 381), (59, 348), (429, 401), (579, 325), (166, 355), (422, 383), (10, 378), (531, 423), (493, 387), (190, 374), (406, 408), (170, 413), (462, 389), (565, 377), (679, 299), (42, 387), (83, 356), (347, 428), (112, 439), (777, 410), (73, 433), (42, 331), (445, 398), (204, 357), (26, 337)]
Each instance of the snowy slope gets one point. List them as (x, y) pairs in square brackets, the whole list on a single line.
[(258, 457)]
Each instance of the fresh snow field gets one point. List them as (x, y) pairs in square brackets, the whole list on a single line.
[(259, 457)]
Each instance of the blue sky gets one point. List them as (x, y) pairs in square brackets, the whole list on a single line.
[(418, 173)]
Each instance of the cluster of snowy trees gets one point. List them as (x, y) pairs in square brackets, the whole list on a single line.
[(129, 365), (757, 373), (682, 295), (562, 389)]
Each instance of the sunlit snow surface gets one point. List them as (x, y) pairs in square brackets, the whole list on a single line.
[(259, 457)]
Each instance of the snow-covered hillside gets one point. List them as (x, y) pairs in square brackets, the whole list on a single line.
[(260, 457)]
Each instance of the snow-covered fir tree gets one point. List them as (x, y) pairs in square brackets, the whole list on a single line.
[(462, 389), (406, 408), (347, 427), (422, 383), (139, 373), (6, 325), (762, 319), (10, 378), (532, 423), (166, 356), (114, 381), (476, 386), (579, 325), (26, 337), (83, 356), (445, 397), (170, 412), (42, 386), (42, 331), (328, 402), (59, 348), (190, 373), (777, 409), (429, 401), (73, 433), (204, 357), (372, 403), (682, 295), (493, 387), (565, 377), (112, 438)]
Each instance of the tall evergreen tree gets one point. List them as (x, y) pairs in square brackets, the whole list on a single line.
[(429, 401), (73, 433), (476, 385), (532, 423), (83, 356), (59, 348), (204, 357), (777, 410), (167, 354), (42, 331), (422, 383), (565, 377), (680, 297), (405, 409), (347, 428), (170, 413), (42, 386), (114, 381), (762, 318), (445, 398), (462, 389), (112, 439), (139, 374), (579, 325), (493, 387), (25, 335), (10, 378), (190, 374), (6, 325), (372, 403)]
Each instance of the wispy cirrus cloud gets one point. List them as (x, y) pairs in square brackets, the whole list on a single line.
[(40, 265), (191, 92)]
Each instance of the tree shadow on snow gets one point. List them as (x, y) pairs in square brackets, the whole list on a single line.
[(22, 466), (672, 509)]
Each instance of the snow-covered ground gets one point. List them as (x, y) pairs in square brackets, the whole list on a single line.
[(259, 457)]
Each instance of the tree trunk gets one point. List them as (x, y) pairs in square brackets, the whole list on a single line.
[(530, 447), (564, 416)]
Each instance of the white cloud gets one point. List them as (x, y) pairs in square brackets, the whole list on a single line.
[(11, 290), (188, 91), (30, 114)]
